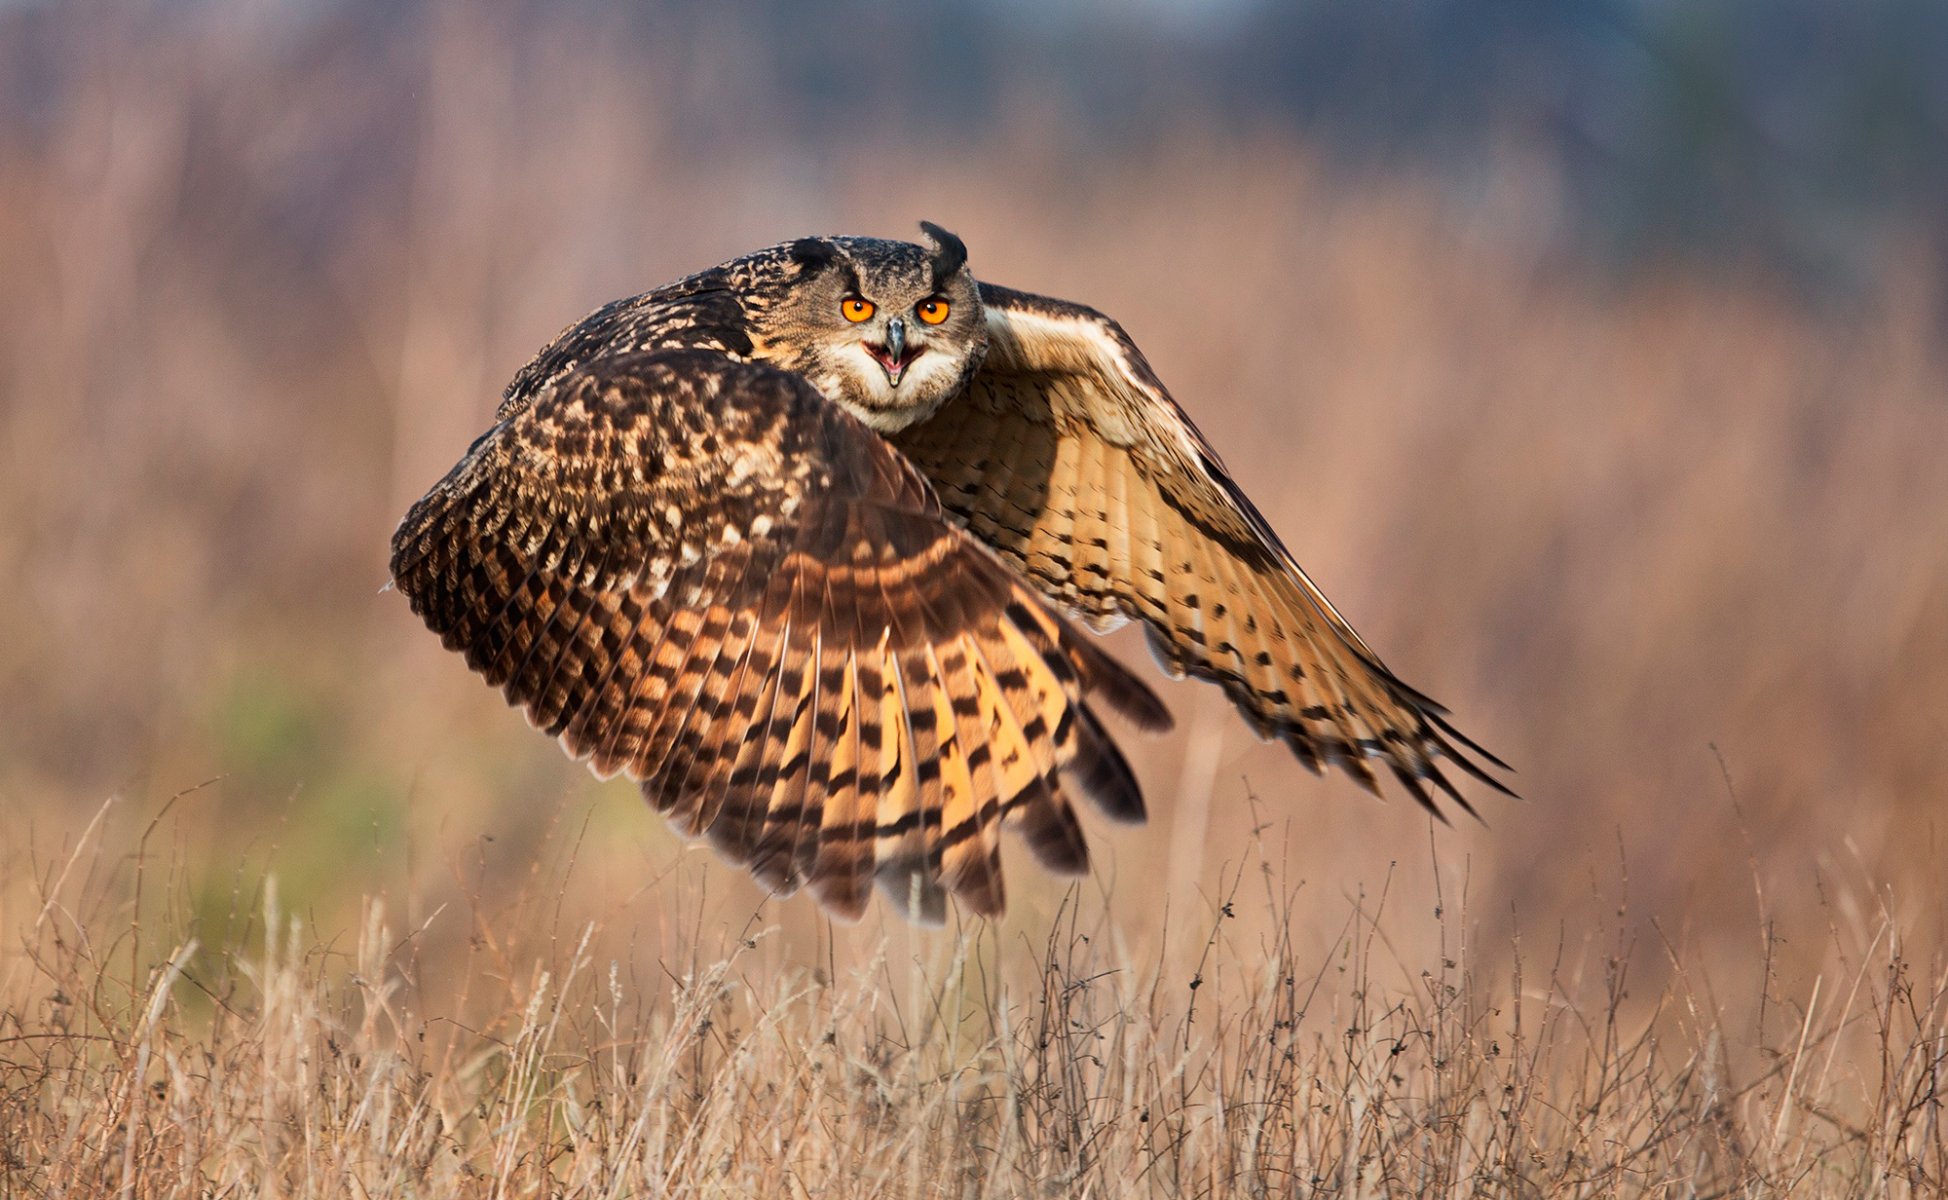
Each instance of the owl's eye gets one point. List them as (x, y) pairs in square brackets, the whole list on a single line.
[(855, 309), (933, 310)]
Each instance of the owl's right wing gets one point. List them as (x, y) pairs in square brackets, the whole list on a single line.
[(703, 575)]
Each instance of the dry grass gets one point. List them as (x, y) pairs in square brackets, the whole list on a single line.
[(1649, 537), (1223, 1061)]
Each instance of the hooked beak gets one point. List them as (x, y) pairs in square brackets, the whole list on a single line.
[(892, 357)]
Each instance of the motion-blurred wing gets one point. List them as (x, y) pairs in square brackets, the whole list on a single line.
[(1069, 458), (704, 575)]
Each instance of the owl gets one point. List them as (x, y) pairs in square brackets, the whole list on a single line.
[(804, 545)]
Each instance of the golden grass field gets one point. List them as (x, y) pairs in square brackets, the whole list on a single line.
[(290, 905)]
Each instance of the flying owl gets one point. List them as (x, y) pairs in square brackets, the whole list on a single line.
[(800, 544)]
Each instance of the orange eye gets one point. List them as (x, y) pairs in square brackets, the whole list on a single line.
[(855, 309), (933, 310)]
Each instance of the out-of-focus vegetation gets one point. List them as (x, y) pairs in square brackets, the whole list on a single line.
[(1660, 514), (1218, 1060)]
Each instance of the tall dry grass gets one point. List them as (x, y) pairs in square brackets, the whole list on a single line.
[(1674, 545), (1053, 1057)]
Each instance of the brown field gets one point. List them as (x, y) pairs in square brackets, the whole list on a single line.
[(291, 905)]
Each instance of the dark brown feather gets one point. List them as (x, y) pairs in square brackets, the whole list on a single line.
[(704, 575)]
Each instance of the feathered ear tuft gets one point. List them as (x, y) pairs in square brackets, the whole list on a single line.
[(813, 254), (949, 252)]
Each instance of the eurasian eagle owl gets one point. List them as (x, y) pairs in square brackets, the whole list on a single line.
[(797, 543)]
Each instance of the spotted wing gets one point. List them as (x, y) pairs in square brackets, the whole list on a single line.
[(703, 575), (1068, 457)]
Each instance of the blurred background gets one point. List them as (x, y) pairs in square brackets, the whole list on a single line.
[(1590, 355)]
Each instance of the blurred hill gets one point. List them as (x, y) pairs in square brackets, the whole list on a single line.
[(1589, 355)]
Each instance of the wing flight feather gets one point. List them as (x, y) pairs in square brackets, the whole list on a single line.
[(1067, 456), (704, 575)]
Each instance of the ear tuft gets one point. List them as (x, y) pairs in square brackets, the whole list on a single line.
[(813, 254), (949, 253)]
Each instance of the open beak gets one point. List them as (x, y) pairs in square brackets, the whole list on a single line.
[(892, 357)]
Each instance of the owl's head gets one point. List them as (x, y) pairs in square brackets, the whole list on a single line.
[(889, 330)]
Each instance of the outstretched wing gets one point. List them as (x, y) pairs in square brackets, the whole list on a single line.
[(702, 574), (1067, 456)]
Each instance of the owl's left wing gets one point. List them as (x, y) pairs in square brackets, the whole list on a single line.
[(1067, 456)]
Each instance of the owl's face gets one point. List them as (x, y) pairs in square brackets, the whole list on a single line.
[(889, 330)]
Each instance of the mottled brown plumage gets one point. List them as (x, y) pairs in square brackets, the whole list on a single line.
[(1068, 457), (792, 571)]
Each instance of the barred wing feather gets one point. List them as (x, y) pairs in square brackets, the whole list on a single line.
[(1067, 456), (703, 575)]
